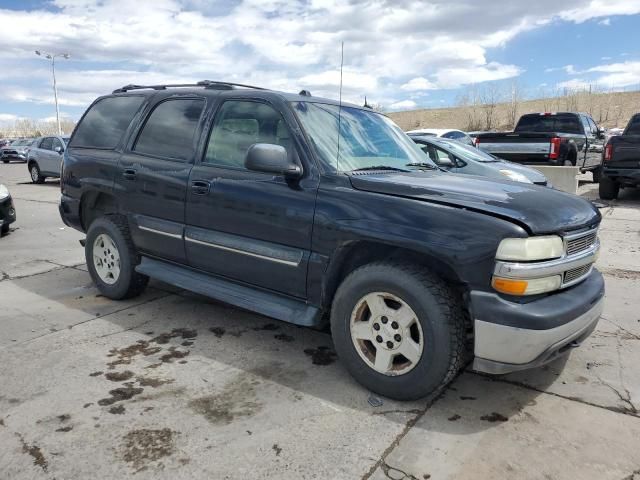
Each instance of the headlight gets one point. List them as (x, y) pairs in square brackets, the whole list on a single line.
[(531, 286), (515, 176), (529, 249), (4, 192)]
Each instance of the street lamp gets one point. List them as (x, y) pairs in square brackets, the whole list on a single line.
[(52, 57)]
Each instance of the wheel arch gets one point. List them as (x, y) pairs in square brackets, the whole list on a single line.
[(95, 204)]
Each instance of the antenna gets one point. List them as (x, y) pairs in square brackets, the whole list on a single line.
[(340, 106)]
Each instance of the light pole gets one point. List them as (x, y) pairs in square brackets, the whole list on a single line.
[(52, 57)]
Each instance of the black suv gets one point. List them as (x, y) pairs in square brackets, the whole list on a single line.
[(311, 211)]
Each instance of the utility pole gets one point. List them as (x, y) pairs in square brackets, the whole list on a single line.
[(52, 57)]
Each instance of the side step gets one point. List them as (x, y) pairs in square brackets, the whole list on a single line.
[(260, 301)]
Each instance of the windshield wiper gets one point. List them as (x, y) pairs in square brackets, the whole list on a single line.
[(428, 166), (379, 167)]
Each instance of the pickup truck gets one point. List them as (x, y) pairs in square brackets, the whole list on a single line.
[(621, 161), (320, 213), (569, 139)]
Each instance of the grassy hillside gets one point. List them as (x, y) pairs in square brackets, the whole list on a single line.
[(607, 109)]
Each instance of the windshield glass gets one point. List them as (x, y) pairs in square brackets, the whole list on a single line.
[(367, 139), (466, 152)]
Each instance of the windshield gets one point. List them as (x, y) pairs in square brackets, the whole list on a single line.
[(466, 152), (367, 139)]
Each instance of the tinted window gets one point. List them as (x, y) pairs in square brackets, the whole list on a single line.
[(549, 124), (57, 143), (47, 143), (585, 124), (454, 135), (634, 126), (239, 125), (106, 121), (169, 130)]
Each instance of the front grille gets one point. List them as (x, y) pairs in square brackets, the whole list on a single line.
[(575, 273), (581, 243)]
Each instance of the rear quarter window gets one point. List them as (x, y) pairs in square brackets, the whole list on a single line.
[(106, 121), (634, 126)]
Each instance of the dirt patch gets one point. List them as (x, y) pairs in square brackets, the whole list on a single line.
[(64, 417), (117, 410), (267, 326), (144, 446), (173, 354), (2, 422), (276, 449), (36, 453), (494, 417), (217, 331), (184, 333), (153, 382), (620, 273), (126, 354), (454, 418), (283, 337), (462, 397), (321, 355), (95, 374), (237, 399), (119, 376), (186, 343), (65, 429), (120, 394)]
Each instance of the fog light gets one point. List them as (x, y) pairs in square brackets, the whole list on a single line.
[(531, 286)]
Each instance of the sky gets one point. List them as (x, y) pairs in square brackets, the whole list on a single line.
[(399, 54)]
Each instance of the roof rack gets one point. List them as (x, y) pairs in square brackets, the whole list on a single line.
[(210, 84)]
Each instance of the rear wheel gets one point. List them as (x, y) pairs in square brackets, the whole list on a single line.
[(595, 173), (36, 175), (398, 329), (112, 258), (5, 161), (608, 188), (568, 163), (4, 229)]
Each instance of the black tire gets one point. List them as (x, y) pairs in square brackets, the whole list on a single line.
[(129, 283), (438, 310), (35, 174), (608, 188), (4, 229), (595, 173), (5, 161)]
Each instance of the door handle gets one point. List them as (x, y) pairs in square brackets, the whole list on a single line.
[(129, 174), (200, 187)]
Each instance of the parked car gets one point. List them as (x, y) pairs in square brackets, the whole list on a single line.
[(565, 138), (444, 133), (7, 210), (612, 132), (45, 158), (16, 150), (303, 209), (457, 157), (621, 161)]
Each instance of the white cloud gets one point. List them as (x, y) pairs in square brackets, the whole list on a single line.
[(390, 46), (574, 84), (403, 105), (606, 22), (8, 117)]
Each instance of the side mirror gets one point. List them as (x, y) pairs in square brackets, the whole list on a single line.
[(59, 150), (601, 133), (270, 158)]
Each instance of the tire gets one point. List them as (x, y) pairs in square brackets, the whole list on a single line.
[(36, 175), (608, 188), (4, 229), (438, 324), (105, 235), (5, 161), (596, 173), (568, 163)]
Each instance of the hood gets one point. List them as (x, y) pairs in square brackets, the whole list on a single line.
[(539, 209)]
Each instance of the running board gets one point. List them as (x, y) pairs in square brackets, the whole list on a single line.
[(260, 301)]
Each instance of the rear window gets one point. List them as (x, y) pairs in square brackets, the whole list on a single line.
[(549, 124), (170, 128), (106, 122), (634, 126)]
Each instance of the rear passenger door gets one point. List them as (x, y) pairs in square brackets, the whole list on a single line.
[(44, 155), (249, 226), (154, 172)]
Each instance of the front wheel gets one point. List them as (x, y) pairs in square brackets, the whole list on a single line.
[(36, 175), (112, 258), (399, 330)]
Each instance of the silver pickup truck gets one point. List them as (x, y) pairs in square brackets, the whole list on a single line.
[(564, 138)]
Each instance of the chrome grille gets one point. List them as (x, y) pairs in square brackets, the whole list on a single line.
[(580, 243), (576, 273)]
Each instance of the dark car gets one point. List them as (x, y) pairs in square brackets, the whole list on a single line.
[(621, 161), (563, 138), (457, 157), (16, 150), (7, 210), (306, 210)]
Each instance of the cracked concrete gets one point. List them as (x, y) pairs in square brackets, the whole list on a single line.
[(236, 392)]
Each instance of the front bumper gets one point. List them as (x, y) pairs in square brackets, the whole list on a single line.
[(513, 336)]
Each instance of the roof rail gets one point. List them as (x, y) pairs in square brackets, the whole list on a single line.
[(210, 84)]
